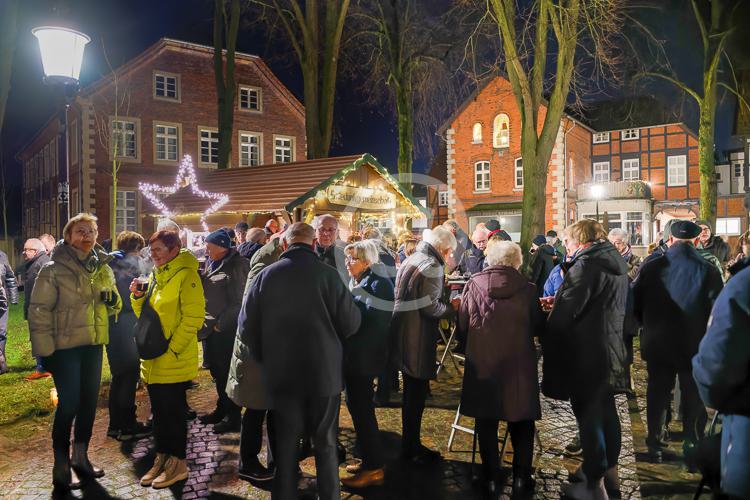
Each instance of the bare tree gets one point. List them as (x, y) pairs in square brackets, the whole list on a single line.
[(225, 28), (314, 31)]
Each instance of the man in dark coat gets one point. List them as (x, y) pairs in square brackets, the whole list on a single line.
[(473, 259), (297, 314), (584, 354), (223, 283), (722, 371), (554, 242), (712, 243), (255, 238), (418, 309), (8, 283), (327, 245), (36, 257), (672, 300), (542, 262)]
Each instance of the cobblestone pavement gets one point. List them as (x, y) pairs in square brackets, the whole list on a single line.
[(213, 459)]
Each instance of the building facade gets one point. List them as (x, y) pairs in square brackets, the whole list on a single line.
[(141, 120)]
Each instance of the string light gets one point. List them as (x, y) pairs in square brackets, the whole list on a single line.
[(185, 177)]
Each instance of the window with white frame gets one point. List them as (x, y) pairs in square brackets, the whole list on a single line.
[(209, 146), (730, 226), (249, 149), (677, 170), (501, 131), (600, 137), (630, 133), (482, 176), (166, 142), (282, 149), (601, 171), (634, 227), (166, 86), (631, 169), (442, 198), (737, 168), (126, 216), (250, 98), (476, 133), (518, 173), (124, 139)]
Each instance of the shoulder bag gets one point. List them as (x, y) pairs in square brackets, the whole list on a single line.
[(149, 335)]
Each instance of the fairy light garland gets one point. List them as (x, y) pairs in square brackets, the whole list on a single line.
[(185, 177)]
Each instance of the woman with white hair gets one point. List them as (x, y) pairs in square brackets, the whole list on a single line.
[(365, 357), (418, 309), (500, 315)]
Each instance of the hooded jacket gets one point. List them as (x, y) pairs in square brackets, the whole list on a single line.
[(223, 288), (583, 343), (66, 308), (177, 297), (541, 264)]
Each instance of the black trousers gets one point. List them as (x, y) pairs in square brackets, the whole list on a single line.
[(415, 395), (359, 401), (219, 349), (122, 399), (658, 402), (599, 426), (298, 417), (77, 373), (169, 406), (522, 438), (387, 382), (251, 437)]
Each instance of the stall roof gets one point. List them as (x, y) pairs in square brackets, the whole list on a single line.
[(274, 188)]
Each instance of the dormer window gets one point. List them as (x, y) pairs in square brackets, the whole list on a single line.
[(166, 86)]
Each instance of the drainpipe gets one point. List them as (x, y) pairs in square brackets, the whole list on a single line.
[(565, 171)]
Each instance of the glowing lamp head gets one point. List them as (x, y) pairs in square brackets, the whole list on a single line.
[(597, 191), (62, 52)]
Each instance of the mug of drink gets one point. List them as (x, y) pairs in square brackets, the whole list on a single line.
[(142, 285)]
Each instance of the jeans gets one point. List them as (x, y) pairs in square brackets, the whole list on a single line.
[(122, 400), (3, 332), (599, 425), (219, 354), (169, 406), (295, 418), (39, 364), (415, 396), (77, 373), (522, 438), (251, 437), (658, 402), (359, 401)]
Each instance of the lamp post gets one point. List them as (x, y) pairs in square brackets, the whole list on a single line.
[(597, 191), (62, 55)]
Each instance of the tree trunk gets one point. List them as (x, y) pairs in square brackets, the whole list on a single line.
[(113, 207), (405, 118), (225, 85), (8, 14), (706, 155)]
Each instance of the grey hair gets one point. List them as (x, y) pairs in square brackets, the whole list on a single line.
[(504, 253), (440, 238), (365, 250), (299, 232), (452, 223), (618, 233), (167, 224), (373, 233), (36, 243), (318, 221)]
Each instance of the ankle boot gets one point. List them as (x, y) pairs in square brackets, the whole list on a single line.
[(61, 476), (523, 484), (81, 464), (3, 364)]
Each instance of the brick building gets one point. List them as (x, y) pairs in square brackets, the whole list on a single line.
[(167, 108)]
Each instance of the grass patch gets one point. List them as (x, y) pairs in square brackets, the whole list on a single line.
[(25, 405)]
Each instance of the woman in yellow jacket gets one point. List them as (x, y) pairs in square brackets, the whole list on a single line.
[(177, 297)]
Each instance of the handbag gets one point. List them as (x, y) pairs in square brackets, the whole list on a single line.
[(149, 335)]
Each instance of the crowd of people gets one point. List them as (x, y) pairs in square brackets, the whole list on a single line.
[(290, 317)]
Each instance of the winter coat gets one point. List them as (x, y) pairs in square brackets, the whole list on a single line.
[(245, 385), (3, 308), (554, 281), (295, 318), (472, 261), (334, 257), (541, 264), (718, 248), (672, 300), (177, 297), (248, 249), (32, 271), (463, 243), (634, 263), (8, 279), (122, 352), (583, 343), (722, 372), (387, 265), (500, 315), (418, 309), (223, 288), (366, 352), (66, 307)]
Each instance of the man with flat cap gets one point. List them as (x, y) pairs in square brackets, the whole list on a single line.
[(673, 296)]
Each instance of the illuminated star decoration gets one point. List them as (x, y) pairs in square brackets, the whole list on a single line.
[(185, 176)]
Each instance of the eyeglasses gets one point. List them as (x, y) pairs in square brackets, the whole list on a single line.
[(327, 229), (86, 232), (29, 250)]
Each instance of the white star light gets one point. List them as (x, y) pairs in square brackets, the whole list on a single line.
[(185, 176)]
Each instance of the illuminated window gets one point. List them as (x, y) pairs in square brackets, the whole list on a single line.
[(476, 133), (501, 131)]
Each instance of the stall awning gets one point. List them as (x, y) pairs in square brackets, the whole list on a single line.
[(488, 207)]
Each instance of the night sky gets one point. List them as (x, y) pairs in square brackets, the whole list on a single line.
[(126, 28)]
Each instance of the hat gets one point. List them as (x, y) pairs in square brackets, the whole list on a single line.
[(703, 222), (241, 226), (492, 225), (220, 238), (552, 234), (685, 230), (539, 240)]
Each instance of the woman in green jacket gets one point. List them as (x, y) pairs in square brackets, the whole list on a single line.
[(176, 294), (73, 297)]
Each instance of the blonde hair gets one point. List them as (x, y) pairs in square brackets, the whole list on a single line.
[(82, 217), (504, 253), (585, 231)]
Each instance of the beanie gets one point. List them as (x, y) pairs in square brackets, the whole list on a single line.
[(220, 238)]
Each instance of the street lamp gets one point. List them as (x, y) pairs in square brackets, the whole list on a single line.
[(597, 192), (62, 55)]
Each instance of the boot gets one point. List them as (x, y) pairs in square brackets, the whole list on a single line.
[(586, 490), (61, 476), (155, 470), (523, 485), (3, 364), (175, 470), (612, 481), (81, 464)]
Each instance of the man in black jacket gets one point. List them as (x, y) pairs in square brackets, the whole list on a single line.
[(36, 257), (8, 284), (714, 244), (297, 314), (327, 245), (473, 259), (541, 263), (672, 299)]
